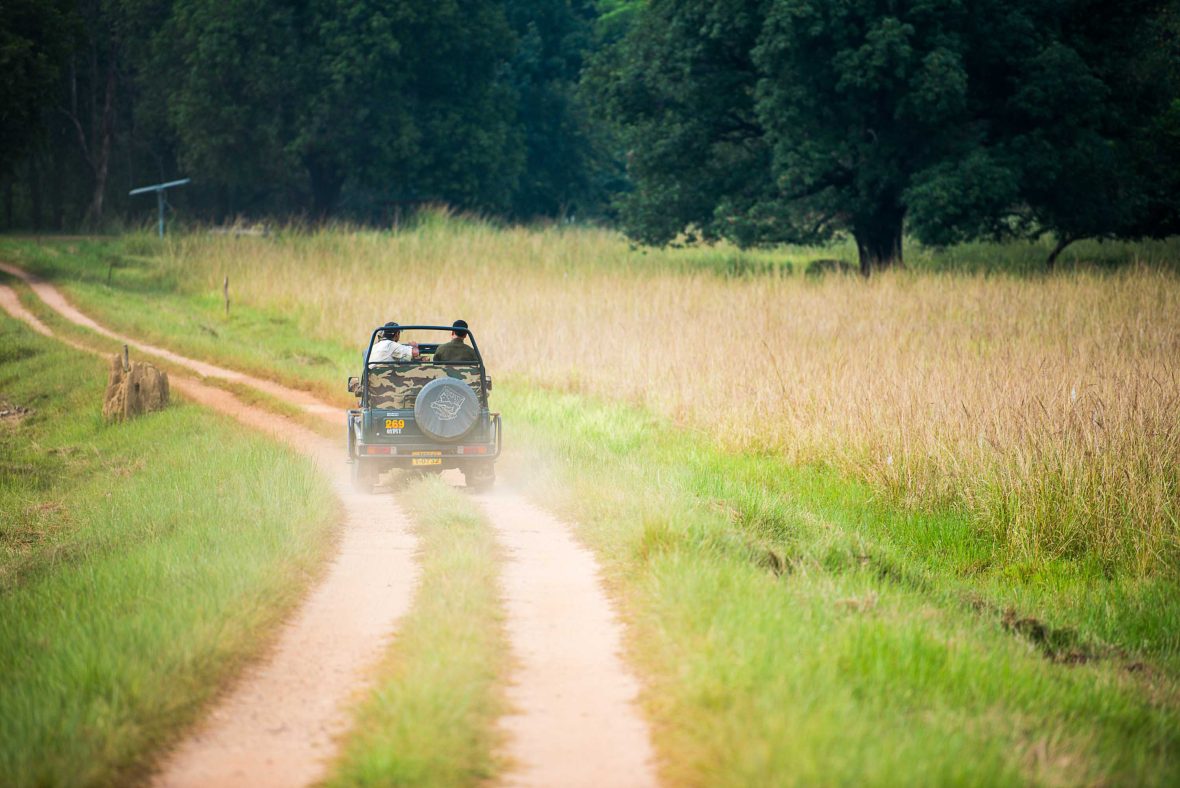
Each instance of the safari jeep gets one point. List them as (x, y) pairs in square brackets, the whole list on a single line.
[(422, 415)]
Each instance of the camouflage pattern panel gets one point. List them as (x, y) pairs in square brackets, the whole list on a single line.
[(414, 378), (397, 387), (384, 391), (469, 375)]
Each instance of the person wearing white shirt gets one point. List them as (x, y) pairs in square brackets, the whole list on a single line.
[(389, 348)]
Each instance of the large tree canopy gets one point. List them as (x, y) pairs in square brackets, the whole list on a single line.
[(761, 121), (317, 108), (791, 120), (394, 102)]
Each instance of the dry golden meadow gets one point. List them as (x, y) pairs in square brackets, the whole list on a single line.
[(1047, 407), (1044, 408)]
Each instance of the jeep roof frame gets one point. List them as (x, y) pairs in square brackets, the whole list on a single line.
[(483, 377)]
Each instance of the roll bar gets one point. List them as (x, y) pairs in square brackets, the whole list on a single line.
[(483, 377)]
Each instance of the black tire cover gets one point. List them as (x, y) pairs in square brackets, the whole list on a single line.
[(446, 409)]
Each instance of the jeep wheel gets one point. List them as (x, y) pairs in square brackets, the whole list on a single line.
[(364, 476), (480, 477)]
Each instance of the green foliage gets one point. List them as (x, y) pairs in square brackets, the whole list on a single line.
[(317, 108), (615, 18), (759, 121), (792, 120), (561, 151), (370, 100), (417, 103), (35, 38), (234, 105)]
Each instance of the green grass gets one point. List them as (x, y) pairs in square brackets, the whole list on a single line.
[(241, 391), (431, 719), (147, 302), (141, 264), (141, 564), (792, 626), (793, 631)]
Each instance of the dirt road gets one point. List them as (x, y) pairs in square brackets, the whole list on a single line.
[(277, 724), (12, 305), (573, 696), (575, 720)]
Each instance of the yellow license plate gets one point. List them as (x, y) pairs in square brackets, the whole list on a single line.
[(426, 461), (395, 424)]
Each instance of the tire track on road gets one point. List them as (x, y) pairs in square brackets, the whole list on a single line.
[(575, 719), (11, 304), (575, 722)]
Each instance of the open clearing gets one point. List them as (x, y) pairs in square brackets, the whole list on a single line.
[(793, 621), (574, 719)]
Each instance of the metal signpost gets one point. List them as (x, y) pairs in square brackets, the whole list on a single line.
[(159, 190)]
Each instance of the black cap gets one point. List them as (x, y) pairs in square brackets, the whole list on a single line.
[(391, 328), (460, 328)]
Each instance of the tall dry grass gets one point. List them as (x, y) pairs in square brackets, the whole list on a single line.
[(1049, 408)]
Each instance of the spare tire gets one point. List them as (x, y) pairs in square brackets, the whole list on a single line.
[(446, 409)]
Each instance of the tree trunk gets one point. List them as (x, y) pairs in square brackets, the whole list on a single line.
[(35, 201), (57, 205), (8, 196), (1062, 242), (878, 239), (101, 150)]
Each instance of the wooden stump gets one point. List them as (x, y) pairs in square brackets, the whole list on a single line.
[(139, 389)]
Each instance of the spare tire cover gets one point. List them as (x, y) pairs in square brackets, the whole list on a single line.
[(446, 409)]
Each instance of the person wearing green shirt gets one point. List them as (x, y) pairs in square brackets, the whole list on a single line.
[(455, 351)]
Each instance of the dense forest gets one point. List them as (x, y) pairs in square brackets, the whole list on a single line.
[(758, 121)]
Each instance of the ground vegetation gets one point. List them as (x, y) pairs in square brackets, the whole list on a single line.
[(796, 612), (141, 564)]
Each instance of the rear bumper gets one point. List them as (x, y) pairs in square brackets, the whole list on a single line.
[(419, 454)]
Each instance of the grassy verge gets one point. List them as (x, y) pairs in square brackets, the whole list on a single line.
[(794, 631), (796, 626), (140, 565), (431, 719)]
